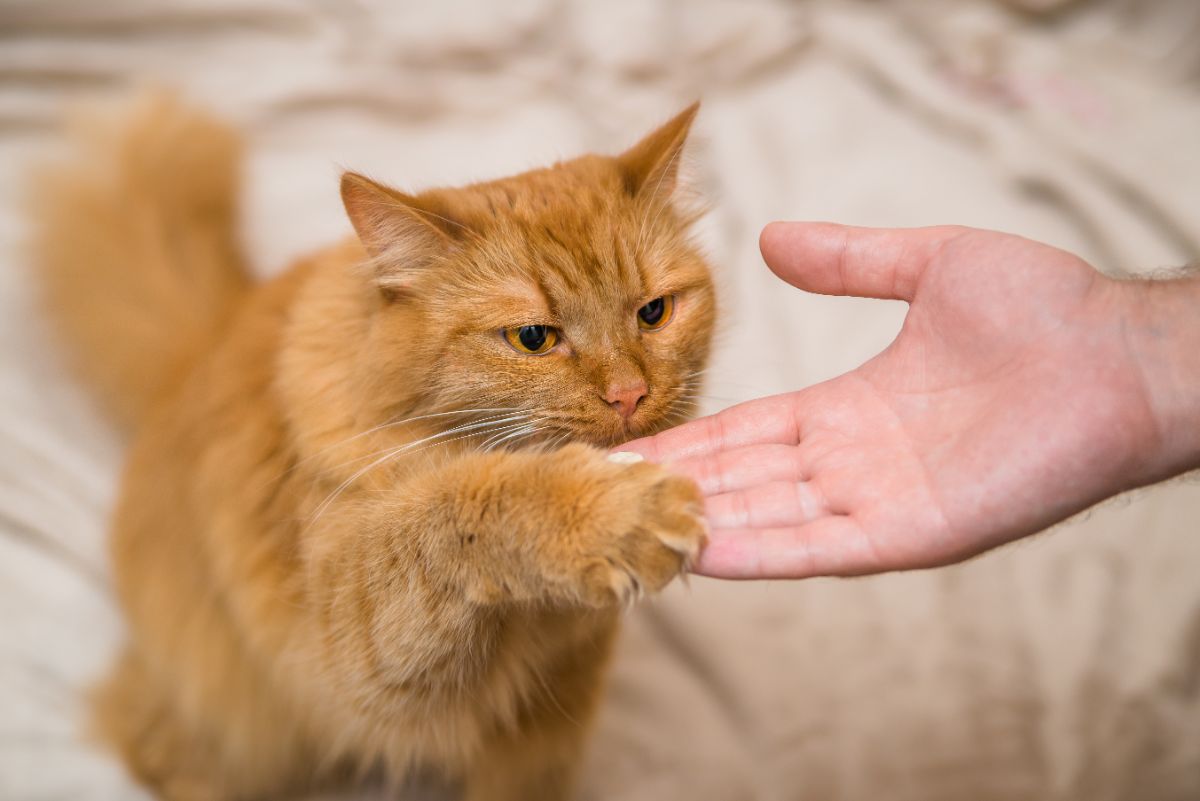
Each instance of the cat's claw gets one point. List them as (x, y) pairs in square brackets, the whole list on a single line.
[(687, 547), (626, 587), (667, 551), (644, 527)]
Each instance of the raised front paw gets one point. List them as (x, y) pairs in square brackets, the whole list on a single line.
[(633, 528)]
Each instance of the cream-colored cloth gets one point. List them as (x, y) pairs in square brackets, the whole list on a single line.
[(1064, 667)]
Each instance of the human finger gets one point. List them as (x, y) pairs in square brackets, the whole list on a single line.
[(833, 259), (778, 503), (829, 546), (728, 471), (765, 420)]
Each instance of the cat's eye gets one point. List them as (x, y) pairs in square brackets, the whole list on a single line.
[(533, 339), (657, 313)]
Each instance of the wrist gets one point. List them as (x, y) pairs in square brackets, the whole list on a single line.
[(1161, 330)]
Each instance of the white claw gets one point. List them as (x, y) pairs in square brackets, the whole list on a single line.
[(625, 457), (687, 547), (627, 588)]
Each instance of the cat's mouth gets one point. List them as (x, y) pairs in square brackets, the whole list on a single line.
[(610, 429), (499, 426)]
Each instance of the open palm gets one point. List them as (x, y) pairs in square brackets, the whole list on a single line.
[(1008, 402)]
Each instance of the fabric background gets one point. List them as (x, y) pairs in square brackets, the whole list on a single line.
[(1066, 667)]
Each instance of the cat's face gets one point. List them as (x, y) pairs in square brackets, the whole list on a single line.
[(564, 302)]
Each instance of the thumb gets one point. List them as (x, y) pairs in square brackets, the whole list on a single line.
[(832, 259)]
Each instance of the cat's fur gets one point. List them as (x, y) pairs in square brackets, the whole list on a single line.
[(315, 589)]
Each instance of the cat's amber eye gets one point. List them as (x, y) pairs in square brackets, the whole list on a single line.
[(532, 339), (657, 313)]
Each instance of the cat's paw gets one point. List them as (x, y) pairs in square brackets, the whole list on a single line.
[(636, 527)]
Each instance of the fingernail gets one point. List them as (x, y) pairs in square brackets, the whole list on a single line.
[(625, 457)]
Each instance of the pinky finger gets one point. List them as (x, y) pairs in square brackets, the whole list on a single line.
[(829, 546)]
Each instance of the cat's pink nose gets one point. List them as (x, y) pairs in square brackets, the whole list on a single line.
[(626, 397)]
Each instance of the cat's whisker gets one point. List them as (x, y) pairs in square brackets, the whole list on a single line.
[(677, 414), (391, 453), (493, 435), (554, 437), (535, 430), (570, 420), (531, 419), (482, 423), (491, 432), (480, 427), (527, 430), (688, 386), (494, 412), (382, 426), (680, 408), (455, 439)]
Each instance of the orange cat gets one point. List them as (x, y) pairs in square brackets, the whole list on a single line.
[(367, 524)]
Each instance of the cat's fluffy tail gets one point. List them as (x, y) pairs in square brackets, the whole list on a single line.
[(134, 245)]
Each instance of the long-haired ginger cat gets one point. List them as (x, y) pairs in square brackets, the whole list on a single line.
[(367, 523)]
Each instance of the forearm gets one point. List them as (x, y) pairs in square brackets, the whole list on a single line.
[(561, 529), (1162, 334), (482, 525), (425, 586), (407, 570), (382, 614)]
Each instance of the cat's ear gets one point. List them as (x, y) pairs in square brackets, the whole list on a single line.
[(400, 232), (652, 165)]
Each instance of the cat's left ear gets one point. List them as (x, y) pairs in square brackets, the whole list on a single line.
[(652, 165), (404, 234)]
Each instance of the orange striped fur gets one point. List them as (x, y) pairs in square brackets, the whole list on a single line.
[(358, 531)]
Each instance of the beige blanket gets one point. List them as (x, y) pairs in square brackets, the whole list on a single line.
[(1065, 667)]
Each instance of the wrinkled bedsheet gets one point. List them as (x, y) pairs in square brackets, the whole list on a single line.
[(1067, 667)]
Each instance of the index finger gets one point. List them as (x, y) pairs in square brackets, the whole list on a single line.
[(763, 420)]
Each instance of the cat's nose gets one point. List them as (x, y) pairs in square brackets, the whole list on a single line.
[(626, 397)]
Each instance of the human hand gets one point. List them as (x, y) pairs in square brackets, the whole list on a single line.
[(1015, 395)]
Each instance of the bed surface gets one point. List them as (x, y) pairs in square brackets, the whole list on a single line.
[(1066, 667)]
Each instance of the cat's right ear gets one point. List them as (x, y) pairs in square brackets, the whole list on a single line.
[(401, 235), (652, 165)]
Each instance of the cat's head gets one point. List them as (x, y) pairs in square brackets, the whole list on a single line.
[(570, 295)]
